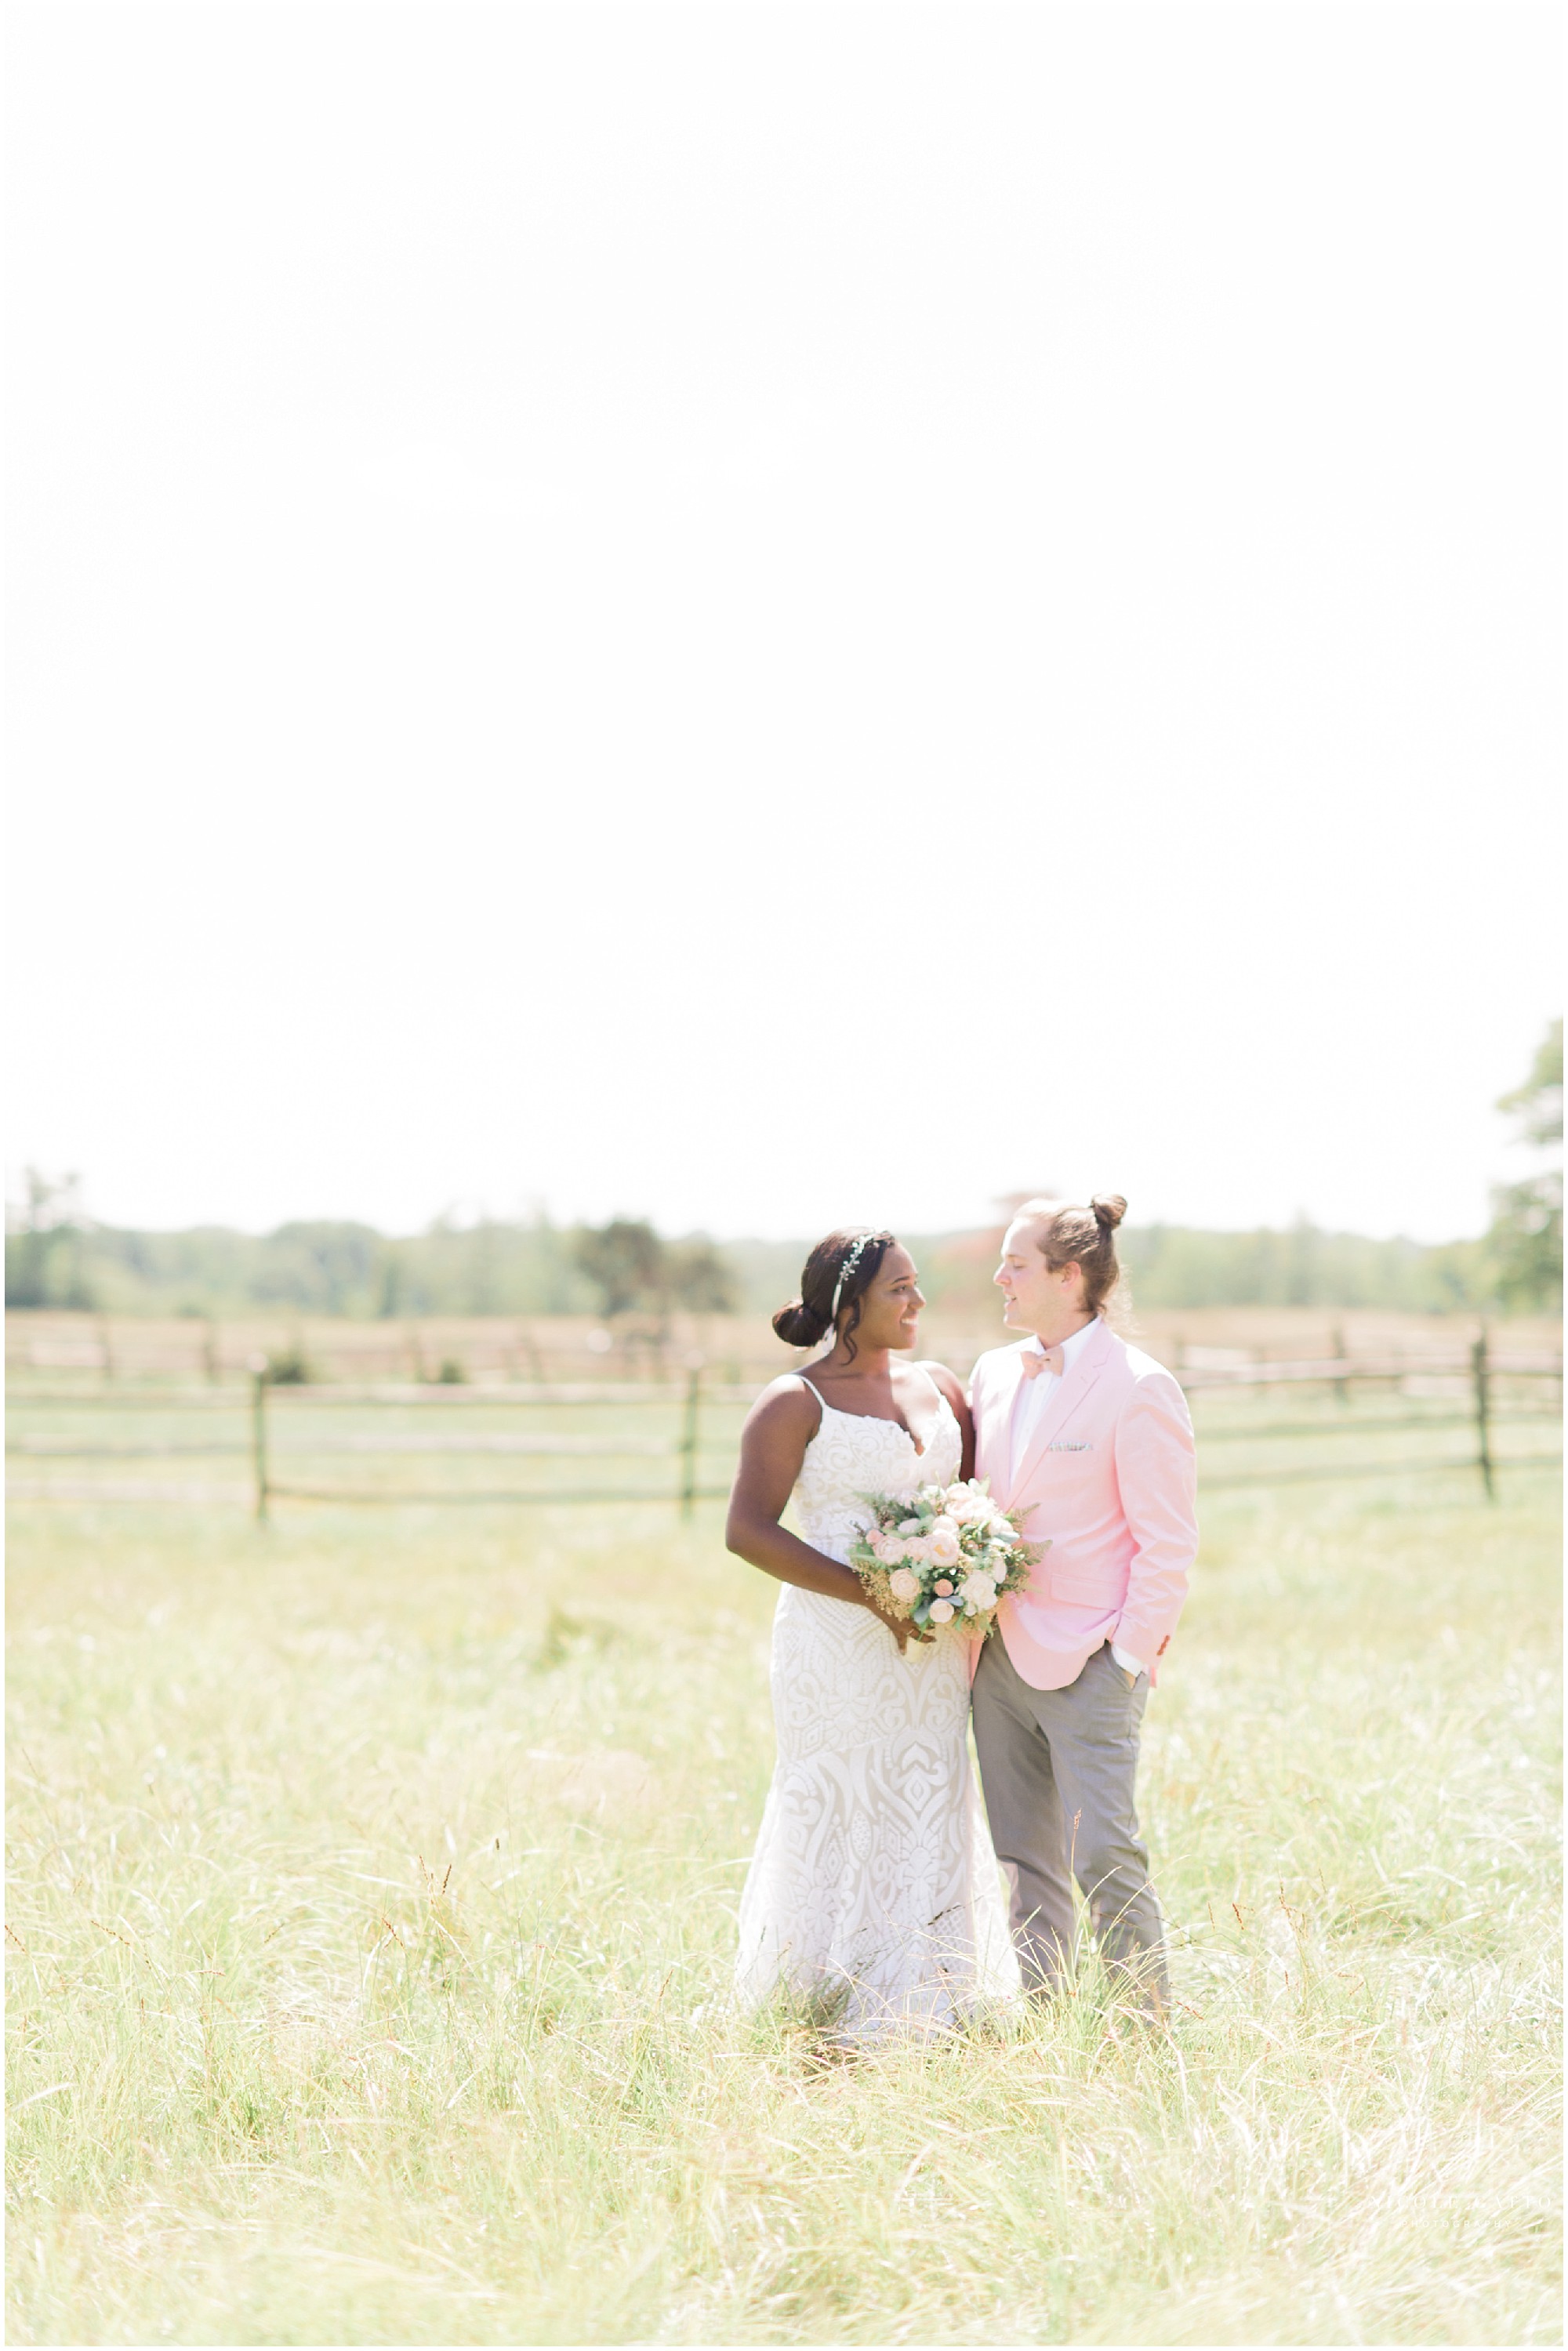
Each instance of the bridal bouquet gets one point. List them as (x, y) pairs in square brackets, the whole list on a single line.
[(943, 1556)]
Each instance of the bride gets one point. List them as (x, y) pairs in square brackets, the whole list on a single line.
[(873, 1891)]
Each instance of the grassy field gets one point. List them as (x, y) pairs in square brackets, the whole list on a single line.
[(373, 1882)]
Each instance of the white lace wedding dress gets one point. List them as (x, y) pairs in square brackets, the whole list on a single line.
[(873, 1891)]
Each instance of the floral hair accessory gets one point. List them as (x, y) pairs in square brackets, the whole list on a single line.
[(846, 1272)]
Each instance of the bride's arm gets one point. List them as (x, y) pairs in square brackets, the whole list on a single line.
[(778, 1427)]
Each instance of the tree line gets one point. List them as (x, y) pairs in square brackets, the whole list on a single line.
[(56, 1256)]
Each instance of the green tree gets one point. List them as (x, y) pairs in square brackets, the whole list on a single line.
[(624, 1260), (699, 1279), (325, 1268), (44, 1246), (1526, 1236)]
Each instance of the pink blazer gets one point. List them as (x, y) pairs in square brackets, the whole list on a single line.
[(1110, 1480)]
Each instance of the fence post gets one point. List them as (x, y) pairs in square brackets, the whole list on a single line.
[(689, 1441), (258, 1438), (1340, 1388), (1482, 1375)]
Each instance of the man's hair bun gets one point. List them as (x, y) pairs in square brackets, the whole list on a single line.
[(799, 1325), (1109, 1210)]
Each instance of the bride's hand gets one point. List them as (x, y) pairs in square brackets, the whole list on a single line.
[(903, 1628)]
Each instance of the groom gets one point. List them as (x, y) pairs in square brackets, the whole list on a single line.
[(1093, 1441)]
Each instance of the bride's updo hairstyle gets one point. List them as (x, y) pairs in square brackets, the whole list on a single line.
[(843, 1265), (1063, 1232)]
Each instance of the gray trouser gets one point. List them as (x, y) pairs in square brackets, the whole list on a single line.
[(1058, 1768)]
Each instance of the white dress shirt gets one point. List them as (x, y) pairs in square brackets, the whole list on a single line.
[(1029, 1406)]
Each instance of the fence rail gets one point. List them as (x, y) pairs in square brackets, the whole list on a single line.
[(272, 1407), (1333, 1372)]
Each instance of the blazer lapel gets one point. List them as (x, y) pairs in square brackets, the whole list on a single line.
[(1070, 1391)]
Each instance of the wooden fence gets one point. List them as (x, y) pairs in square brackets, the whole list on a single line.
[(1483, 1393)]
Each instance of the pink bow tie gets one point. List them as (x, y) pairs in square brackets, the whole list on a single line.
[(1048, 1359)]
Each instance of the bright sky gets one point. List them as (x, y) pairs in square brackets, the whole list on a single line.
[(774, 615)]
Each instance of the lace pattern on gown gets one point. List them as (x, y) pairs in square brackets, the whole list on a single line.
[(873, 1892)]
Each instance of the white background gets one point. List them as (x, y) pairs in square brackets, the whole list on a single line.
[(776, 615)]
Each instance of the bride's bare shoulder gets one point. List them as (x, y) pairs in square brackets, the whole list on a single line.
[(785, 1402)]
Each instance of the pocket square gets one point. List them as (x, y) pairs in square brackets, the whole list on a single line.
[(1068, 1445)]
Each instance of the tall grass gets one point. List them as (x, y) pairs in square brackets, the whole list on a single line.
[(372, 1910)]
